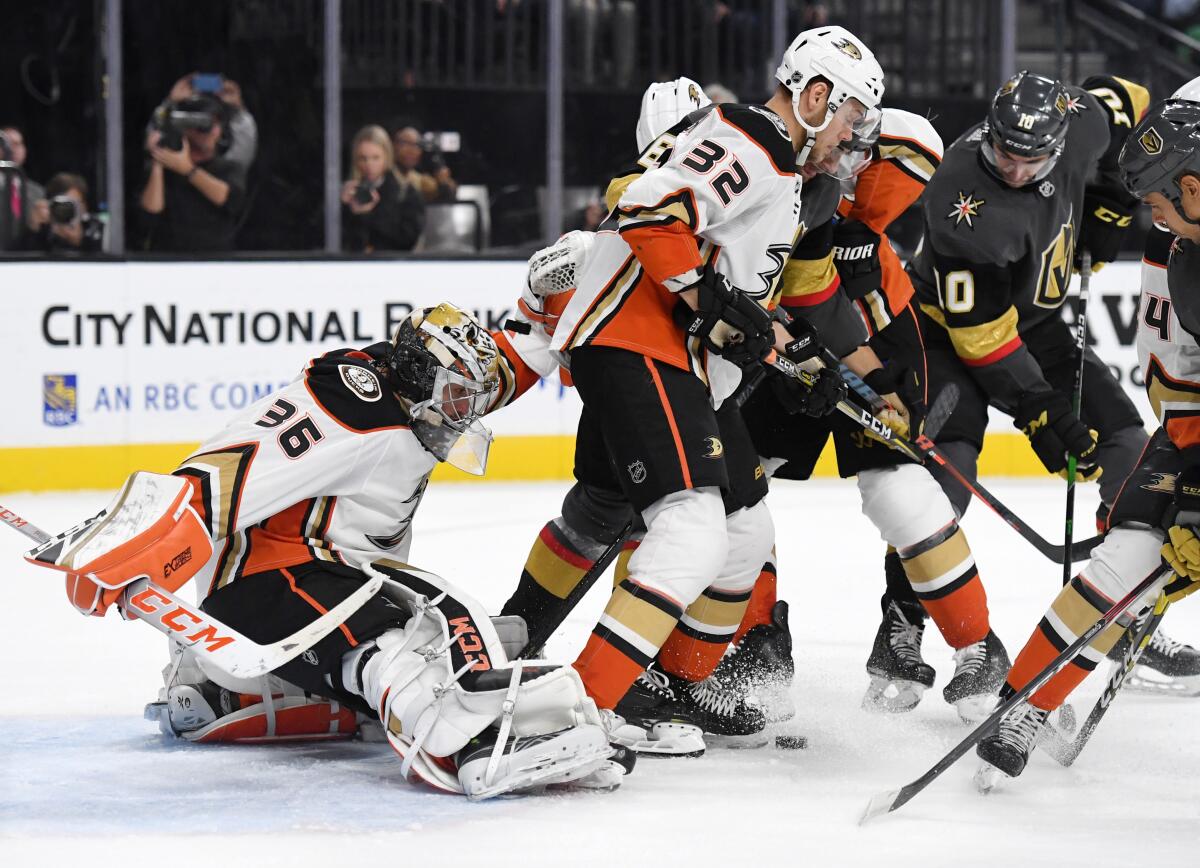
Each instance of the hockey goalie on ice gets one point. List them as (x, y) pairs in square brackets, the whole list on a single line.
[(312, 624)]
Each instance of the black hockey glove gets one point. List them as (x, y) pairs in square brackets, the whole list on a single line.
[(1107, 216), (1182, 548), (728, 321), (803, 343), (819, 399), (905, 383), (856, 256), (1054, 431)]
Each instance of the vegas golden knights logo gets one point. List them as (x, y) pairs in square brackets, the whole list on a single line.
[(1055, 274), (1151, 141)]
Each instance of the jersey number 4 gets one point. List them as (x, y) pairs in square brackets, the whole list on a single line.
[(730, 182), (297, 438), (1157, 316)]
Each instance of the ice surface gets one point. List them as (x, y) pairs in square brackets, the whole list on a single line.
[(82, 776)]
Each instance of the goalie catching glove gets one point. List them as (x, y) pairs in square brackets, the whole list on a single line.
[(1055, 432), (1182, 548), (728, 322)]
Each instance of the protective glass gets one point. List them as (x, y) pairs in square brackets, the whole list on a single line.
[(1007, 168)]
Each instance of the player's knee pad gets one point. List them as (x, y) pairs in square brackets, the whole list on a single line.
[(595, 513), (751, 535), (905, 504), (1130, 552), (685, 545)]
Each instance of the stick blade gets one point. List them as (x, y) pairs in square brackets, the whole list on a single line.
[(881, 803)]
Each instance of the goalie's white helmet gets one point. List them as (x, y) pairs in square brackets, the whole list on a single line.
[(1189, 91), (444, 363), (666, 103), (841, 57)]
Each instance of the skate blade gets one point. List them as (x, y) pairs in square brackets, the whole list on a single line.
[(880, 803), (988, 777), (544, 769), (666, 739), (1144, 680), (973, 709), (752, 741), (892, 697)]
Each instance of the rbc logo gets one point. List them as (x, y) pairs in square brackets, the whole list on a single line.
[(59, 403)]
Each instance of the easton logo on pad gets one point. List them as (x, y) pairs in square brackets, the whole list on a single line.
[(60, 404)]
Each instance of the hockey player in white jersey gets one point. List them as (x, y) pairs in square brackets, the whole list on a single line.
[(298, 499), (705, 224), (1155, 516)]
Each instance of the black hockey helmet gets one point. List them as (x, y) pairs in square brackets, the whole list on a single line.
[(1028, 117), (1163, 146)]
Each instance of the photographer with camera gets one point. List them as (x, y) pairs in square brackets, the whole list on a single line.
[(193, 195), (239, 144), (419, 161), (68, 226), (380, 211)]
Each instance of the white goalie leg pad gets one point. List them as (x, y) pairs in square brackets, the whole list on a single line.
[(1129, 553), (685, 546), (751, 533), (905, 504)]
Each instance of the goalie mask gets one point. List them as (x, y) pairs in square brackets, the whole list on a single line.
[(1026, 128), (444, 364), (854, 75)]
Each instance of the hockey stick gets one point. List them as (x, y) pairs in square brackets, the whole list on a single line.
[(218, 643), (886, 802), (1085, 274), (923, 450), (1066, 752), (543, 632)]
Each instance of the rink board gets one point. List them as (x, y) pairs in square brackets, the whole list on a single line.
[(129, 365)]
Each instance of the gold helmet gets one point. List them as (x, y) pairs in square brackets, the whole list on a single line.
[(444, 363)]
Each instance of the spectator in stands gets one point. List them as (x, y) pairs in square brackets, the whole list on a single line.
[(21, 193), (423, 167), (68, 226), (380, 209), (193, 197), (239, 145)]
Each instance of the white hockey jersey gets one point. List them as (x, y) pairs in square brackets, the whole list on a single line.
[(324, 469), (726, 194), (1168, 325)]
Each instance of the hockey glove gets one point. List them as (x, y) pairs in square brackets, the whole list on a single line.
[(817, 400), (1106, 219), (1182, 549), (1055, 432), (803, 343), (729, 322), (856, 256), (894, 381)]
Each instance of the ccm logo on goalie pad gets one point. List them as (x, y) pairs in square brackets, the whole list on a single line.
[(469, 643), (180, 619)]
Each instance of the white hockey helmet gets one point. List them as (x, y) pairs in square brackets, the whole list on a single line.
[(1189, 91), (444, 363), (666, 103), (836, 54)]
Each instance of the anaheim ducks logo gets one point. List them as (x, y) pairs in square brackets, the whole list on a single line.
[(845, 46), (715, 447), (694, 94), (1163, 482), (1151, 142)]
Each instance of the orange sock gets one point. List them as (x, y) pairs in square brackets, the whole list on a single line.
[(762, 600), (699, 640), (946, 581)]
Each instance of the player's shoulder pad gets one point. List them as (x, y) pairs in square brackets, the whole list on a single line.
[(349, 388), (1123, 101), (763, 127), (911, 142), (1158, 246)]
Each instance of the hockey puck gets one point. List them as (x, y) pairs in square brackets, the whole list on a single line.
[(791, 742)]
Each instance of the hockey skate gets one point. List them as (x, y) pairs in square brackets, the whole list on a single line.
[(578, 756), (1165, 666), (721, 711), (899, 676), (1006, 751), (649, 722), (760, 666), (979, 670)]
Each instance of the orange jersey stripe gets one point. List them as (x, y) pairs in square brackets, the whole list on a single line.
[(670, 414)]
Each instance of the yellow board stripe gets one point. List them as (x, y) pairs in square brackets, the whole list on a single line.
[(514, 458)]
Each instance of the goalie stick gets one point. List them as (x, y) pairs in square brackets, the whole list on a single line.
[(215, 641), (923, 450), (891, 800)]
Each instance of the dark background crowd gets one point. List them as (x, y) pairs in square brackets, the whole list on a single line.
[(443, 106)]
